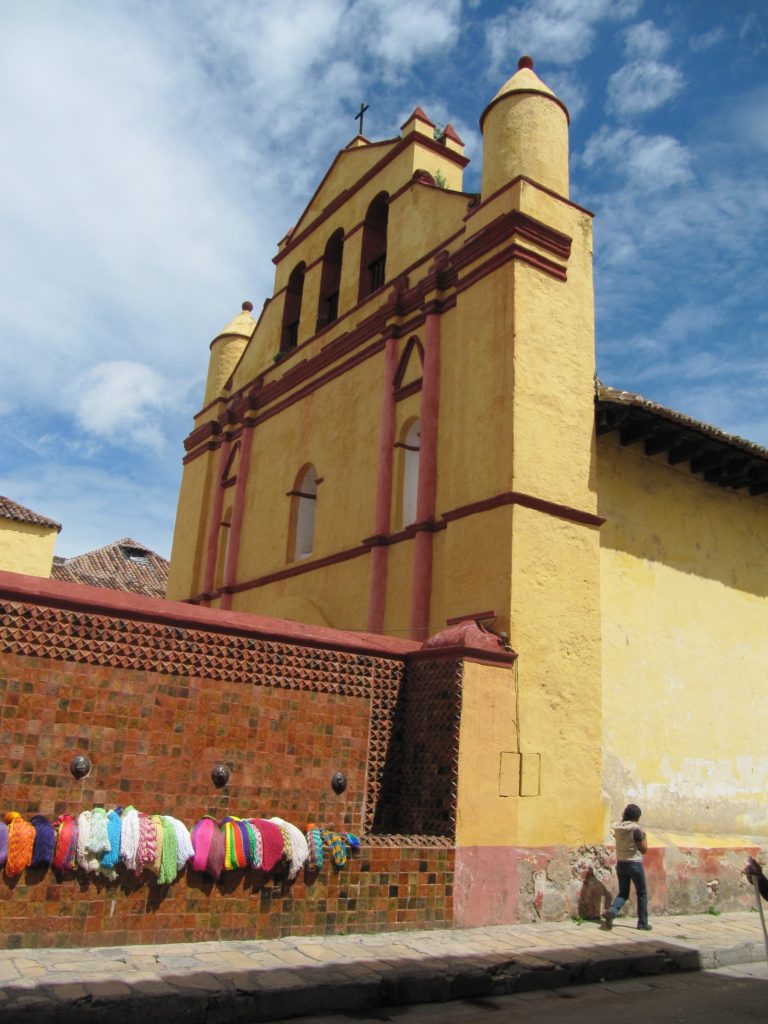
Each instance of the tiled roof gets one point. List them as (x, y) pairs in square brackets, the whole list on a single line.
[(12, 510), (722, 459), (124, 565)]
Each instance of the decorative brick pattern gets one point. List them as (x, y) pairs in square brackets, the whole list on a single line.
[(421, 771), (379, 889), (155, 706)]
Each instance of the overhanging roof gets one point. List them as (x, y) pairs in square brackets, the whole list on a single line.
[(722, 459)]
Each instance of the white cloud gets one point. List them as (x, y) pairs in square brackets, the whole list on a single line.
[(645, 40), (707, 40), (560, 31), (642, 86), (647, 162), (570, 89), (121, 398)]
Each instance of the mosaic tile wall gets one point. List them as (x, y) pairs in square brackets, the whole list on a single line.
[(379, 889), (421, 770), (155, 707)]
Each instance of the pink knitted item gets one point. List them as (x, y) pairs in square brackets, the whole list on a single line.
[(208, 844), (272, 842)]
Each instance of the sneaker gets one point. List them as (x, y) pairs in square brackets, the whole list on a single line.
[(607, 921), (645, 928)]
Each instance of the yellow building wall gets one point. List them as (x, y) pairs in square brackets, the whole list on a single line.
[(684, 569), (26, 547)]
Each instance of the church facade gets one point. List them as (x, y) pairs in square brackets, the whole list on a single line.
[(411, 437)]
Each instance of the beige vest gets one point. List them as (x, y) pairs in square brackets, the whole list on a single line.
[(626, 847)]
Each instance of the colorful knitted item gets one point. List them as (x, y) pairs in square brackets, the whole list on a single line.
[(98, 840), (257, 845), (147, 849), (129, 838), (335, 844), (208, 844), (21, 839), (85, 859), (237, 844), (3, 843), (44, 844), (315, 847), (157, 823), (108, 861), (65, 854), (168, 869), (286, 858), (184, 849), (351, 840), (299, 850), (272, 842)]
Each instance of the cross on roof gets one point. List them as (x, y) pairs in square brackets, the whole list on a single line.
[(359, 116)]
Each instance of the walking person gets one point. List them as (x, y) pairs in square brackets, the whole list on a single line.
[(631, 844)]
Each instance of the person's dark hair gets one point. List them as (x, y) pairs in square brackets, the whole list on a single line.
[(631, 813)]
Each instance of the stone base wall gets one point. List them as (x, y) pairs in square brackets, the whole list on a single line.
[(507, 885), (381, 888)]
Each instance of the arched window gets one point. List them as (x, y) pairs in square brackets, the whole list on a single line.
[(411, 445), (222, 550), (330, 280), (303, 504), (289, 335), (374, 252)]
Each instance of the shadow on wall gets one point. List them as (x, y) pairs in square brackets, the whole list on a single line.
[(665, 514), (594, 897)]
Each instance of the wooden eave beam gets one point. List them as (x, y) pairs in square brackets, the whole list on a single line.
[(661, 442), (637, 430), (686, 451), (712, 460)]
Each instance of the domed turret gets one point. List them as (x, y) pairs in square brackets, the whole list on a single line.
[(226, 349), (525, 131)]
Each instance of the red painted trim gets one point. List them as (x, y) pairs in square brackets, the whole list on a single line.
[(473, 617), (410, 389), (529, 181), (465, 654), (301, 568), (215, 521), (400, 146), (421, 582), (238, 504), (512, 252), (550, 508), (417, 115), (379, 555), (525, 92), (123, 604)]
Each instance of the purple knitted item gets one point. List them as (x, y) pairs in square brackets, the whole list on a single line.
[(44, 844), (3, 843)]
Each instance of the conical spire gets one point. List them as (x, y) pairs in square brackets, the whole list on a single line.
[(525, 134)]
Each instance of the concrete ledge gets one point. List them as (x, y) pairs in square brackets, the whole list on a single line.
[(258, 981)]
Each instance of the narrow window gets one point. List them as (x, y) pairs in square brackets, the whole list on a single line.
[(292, 310), (374, 252), (303, 506), (411, 447), (330, 280)]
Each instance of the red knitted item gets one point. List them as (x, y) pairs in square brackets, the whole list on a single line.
[(272, 842)]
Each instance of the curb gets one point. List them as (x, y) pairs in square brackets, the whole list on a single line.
[(264, 995)]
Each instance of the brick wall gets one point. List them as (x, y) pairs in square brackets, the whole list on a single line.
[(156, 694)]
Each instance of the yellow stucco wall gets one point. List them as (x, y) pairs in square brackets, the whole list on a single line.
[(684, 568), (26, 547)]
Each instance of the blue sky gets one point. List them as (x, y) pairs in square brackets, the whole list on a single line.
[(154, 154)]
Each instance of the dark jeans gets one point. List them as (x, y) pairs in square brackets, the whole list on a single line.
[(631, 871)]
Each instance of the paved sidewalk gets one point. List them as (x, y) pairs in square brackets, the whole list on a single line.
[(264, 980)]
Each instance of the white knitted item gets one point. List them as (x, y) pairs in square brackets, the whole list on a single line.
[(98, 840), (299, 847), (129, 838), (85, 859), (184, 848)]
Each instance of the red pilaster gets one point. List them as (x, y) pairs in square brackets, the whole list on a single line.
[(230, 569), (215, 524), (378, 591), (421, 584)]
